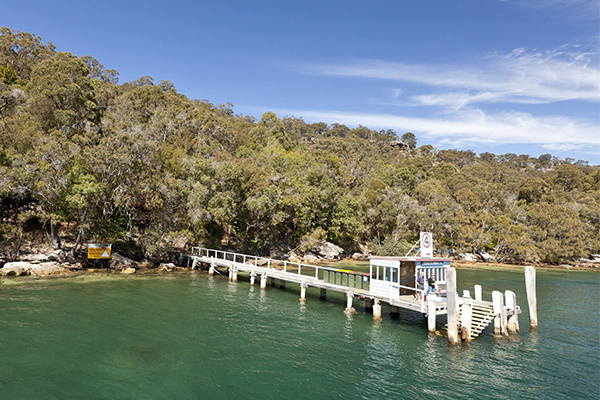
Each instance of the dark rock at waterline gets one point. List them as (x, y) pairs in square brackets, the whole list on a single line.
[(58, 256), (117, 261)]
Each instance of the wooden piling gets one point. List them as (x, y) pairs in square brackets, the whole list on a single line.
[(500, 312), (431, 316), (512, 323), (252, 278), (211, 270), (466, 318), (394, 311), (466, 294), (349, 309), (452, 305), (531, 296), (377, 310), (323, 293), (303, 291), (497, 304), (478, 296), (234, 275), (263, 281)]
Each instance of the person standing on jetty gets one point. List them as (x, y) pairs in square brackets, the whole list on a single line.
[(431, 284), (420, 285)]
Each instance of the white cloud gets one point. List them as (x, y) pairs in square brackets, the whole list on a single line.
[(476, 127), (521, 76)]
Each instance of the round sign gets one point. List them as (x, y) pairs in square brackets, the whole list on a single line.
[(426, 240)]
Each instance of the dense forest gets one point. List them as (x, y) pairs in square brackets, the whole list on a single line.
[(85, 158)]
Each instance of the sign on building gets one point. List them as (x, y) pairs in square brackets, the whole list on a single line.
[(98, 251), (426, 244)]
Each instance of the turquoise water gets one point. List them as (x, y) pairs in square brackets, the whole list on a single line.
[(188, 336)]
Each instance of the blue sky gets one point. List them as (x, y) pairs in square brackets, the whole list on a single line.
[(519, 76)]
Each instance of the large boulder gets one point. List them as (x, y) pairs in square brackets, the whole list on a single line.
[(117, 261), (328, 251), (34, 258), (360, 257), (20, 268)]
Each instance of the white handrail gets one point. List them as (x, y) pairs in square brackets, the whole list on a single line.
[(245, 257)]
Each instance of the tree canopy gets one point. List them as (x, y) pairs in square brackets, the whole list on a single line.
[(140, 165)]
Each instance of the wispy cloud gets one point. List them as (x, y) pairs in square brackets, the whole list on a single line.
[(471, 127), (521, 76)]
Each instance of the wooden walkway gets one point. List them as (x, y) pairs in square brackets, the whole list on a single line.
[(473, 315), (303, 274)]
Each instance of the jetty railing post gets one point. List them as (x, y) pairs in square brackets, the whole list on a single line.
[(285, 266), (268, 264), (531, 296), (512, 324), (452, 300)]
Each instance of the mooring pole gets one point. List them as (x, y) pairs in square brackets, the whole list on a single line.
[(478, 296), (452, 305), (531, 296)]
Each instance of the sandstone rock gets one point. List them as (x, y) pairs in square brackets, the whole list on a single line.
[(295, 259), (167, 267), (360, 257), (20, 268), (117, 261), (328, 250), (34, 258), (311, 258), (128, 271)]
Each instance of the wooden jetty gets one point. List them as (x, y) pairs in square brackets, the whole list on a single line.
[(391, 280)]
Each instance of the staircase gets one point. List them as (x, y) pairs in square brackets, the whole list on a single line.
[(482, 315)]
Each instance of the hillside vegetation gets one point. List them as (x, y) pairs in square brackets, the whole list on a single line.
[(143, 167)]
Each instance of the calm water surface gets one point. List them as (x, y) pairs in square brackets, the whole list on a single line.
[(188, 336)]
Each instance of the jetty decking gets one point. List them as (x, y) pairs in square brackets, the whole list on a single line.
[(469, 316)]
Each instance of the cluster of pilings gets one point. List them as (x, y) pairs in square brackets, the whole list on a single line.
[(505, 310)]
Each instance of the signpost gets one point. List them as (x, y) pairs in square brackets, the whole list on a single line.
[(426, 244), (95, 251)]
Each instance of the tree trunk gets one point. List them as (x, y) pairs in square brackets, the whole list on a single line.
[(56, 245)]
